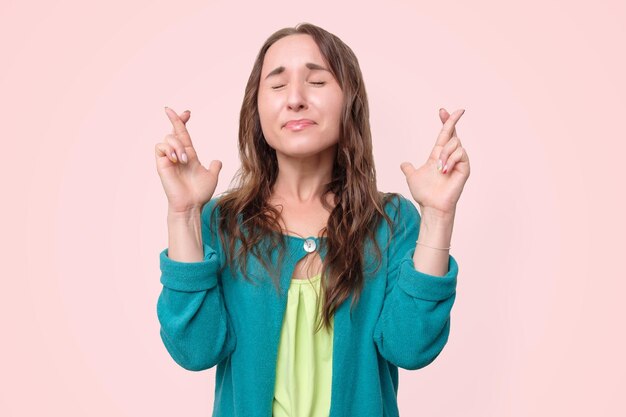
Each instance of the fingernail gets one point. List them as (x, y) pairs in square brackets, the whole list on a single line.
[(174, 156), (187, 111), (439, 165), (445, 169), (184, 156)]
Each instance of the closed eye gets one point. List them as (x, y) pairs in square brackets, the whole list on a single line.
[(276, 87)]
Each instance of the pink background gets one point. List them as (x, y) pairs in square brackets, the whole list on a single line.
[(537, 328)]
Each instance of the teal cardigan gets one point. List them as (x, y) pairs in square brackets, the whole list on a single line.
[(402, 319)]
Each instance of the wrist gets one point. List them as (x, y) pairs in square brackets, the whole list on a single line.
[(434, 216), (184, 215), (435, 231)]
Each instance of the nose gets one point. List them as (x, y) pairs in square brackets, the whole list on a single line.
[(296, 97)]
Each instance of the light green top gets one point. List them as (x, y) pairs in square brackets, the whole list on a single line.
[(304, 364)]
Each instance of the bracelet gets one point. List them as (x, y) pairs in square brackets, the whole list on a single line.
[(419, 243)]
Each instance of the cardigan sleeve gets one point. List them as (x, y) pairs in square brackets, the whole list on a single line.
[(414, 323), (195, 326)]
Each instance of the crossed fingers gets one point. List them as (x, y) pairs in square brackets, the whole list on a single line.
[(179, 140), (452, 151), (179, 130)]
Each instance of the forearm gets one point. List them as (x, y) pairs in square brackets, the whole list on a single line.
[(435, 231), (185, 236)]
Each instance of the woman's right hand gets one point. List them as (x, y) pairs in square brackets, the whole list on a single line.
[(188, 185)]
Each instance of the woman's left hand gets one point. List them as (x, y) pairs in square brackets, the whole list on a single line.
[(437, 188)]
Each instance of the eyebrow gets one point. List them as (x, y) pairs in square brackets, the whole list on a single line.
[(309, 65)]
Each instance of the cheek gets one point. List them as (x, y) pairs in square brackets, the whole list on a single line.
[(266, 109), (264, 115), (337, 109), (337, 104), (265, 118)]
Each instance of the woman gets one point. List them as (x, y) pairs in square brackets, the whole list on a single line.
[(248, 274)]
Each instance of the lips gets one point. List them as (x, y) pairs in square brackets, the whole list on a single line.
[(295, 124)]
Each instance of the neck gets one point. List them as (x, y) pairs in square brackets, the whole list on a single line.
[(303, 180)]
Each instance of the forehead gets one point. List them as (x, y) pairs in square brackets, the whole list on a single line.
[(292, 51)]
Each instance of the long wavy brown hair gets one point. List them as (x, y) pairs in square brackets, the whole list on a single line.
[(246, 216)]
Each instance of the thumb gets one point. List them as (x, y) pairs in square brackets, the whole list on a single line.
[(407, 168), (215, 167)]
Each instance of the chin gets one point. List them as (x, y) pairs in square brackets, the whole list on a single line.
[(303, 151), (300, 145), (300, 154)]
